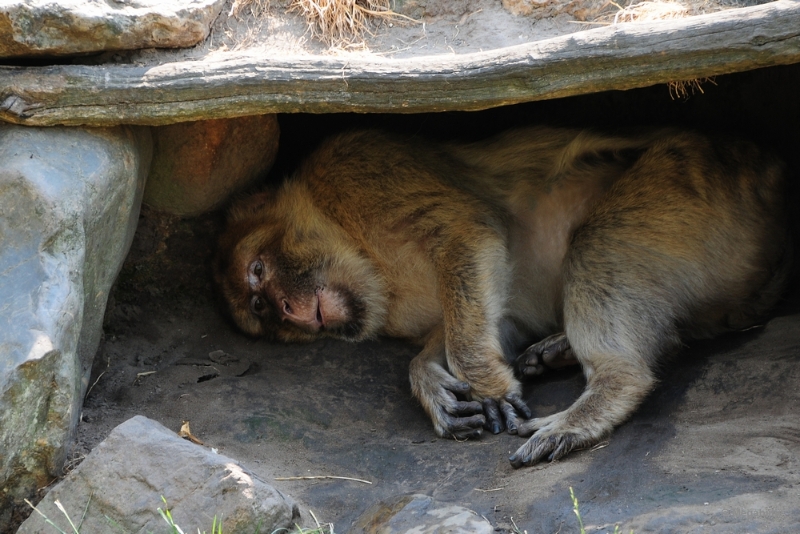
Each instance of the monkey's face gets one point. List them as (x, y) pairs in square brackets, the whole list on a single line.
[(294, 287)]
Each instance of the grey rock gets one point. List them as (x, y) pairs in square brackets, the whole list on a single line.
[(62, 27), (69, 204), (420, 514), (124, 478)]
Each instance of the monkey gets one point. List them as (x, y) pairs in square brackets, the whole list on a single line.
[(555, 245)]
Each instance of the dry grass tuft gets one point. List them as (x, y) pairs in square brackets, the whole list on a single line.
[(684, 89), (343, 22), (650, 11), (613, 12), (257, 7)]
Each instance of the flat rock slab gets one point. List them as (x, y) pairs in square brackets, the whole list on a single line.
[(69, 205), (459, 56), (65, 27), (120, 485)]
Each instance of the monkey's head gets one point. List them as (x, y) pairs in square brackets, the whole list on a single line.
[(288, 273)]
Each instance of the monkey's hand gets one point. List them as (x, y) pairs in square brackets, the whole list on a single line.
[(444, 397), (552, 352), (502, 413), (452, 416)]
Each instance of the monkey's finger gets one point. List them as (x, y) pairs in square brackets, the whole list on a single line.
[(464, 426), (463, 408), (510, 415), (519, 405), (494, 422), (456, 386), (472, 434)]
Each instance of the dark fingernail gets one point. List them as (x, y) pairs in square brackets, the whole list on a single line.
[(512, 428), (496, 428)]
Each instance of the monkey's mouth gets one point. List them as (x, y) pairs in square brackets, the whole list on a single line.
[(320, 317), (339, 313)]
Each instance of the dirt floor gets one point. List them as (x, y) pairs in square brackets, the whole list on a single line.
[(277, 29), (716, 448)]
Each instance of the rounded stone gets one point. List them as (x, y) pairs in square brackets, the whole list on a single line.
[(420, 514), (198, 165)]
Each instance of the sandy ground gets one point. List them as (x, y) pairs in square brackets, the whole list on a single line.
[(422, 28), (716, 448)]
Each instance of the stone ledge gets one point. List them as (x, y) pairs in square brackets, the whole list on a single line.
[(232, 84)]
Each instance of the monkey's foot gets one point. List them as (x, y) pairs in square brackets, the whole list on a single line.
[(552, 352), (554, 438), (503, 413)]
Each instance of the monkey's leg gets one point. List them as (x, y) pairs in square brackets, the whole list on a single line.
[(552, 352), (438, 391), (616, 386)]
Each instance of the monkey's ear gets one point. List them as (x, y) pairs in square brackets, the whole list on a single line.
[(250, 205)]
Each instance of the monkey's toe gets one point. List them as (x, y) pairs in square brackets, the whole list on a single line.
[(552, 352), (552, 447)]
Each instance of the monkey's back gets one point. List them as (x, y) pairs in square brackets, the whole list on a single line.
[(691, 228), (690, 241)]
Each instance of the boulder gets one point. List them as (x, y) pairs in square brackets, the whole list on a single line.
[(63, 27), (198, 165), (69, 204), (124, 479), (420, 514)]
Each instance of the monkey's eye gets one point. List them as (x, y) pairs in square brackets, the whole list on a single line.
[(257, 304), (258, 268)]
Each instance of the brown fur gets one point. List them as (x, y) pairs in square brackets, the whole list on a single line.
[(617, 246)]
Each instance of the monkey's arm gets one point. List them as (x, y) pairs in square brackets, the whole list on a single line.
[(473, 270)]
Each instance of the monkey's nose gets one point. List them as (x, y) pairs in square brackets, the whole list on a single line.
[(306, 315)]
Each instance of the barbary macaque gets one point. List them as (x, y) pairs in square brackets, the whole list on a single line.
[(607, 249)]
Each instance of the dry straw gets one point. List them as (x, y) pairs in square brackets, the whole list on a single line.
[(650, 11), (256, 7), (344, 22)]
